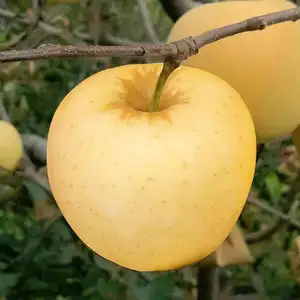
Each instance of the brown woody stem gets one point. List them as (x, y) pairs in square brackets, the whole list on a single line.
[(181, 49)]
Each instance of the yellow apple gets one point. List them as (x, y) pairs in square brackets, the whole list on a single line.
[(151, 191), (11, 147), (263, 66)]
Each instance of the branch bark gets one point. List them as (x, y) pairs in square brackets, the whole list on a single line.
[(178, 50)]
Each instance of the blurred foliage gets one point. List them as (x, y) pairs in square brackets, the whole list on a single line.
[(41, 257)]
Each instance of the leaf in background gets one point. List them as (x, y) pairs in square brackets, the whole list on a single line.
[(105, 264), (43, 207), (9, 88), (273, 186), (2, 37), (182, 294), (56, 11), (110, 289), (36, 284), (294, 259), (135, 291), (22, 110), (162, 287), (7, 193), (141, 293), (7, 281), (36, 193), (44, 210), (94, 20)]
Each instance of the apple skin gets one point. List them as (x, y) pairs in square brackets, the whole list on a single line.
[(263, 66), (151, 191), (11, 146)]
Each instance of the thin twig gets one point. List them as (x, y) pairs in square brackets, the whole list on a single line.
[(148, 22), (279, 222), (180, 50), (274, 212)]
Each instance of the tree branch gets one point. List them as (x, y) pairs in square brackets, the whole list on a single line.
[(281, 216), (179, 50)]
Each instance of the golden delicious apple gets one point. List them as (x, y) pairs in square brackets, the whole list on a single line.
[(263, 66), (151, 191), (11, 147)]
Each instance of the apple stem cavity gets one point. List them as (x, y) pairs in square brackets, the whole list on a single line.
[(168, 67)]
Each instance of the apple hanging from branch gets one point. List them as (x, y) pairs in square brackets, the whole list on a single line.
[(151, 190), (262, 66)]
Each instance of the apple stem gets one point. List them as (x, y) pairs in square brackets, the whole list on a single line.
[(168, 67)]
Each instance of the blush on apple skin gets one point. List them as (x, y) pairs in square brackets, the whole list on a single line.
[(151, 191)]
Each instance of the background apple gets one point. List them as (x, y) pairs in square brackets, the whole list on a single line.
[(263, 66), (11, 148), (151, 191)]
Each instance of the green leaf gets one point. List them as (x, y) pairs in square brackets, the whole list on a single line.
[(110, 289), (273, 186), (7, 281), (162, 287), (36, 193), (141, 292), (10, 88), (2, 37), (104, 264)]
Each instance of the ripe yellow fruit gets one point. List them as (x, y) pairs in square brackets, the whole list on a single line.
[(151, 191), (11, 147), (263, 66)]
